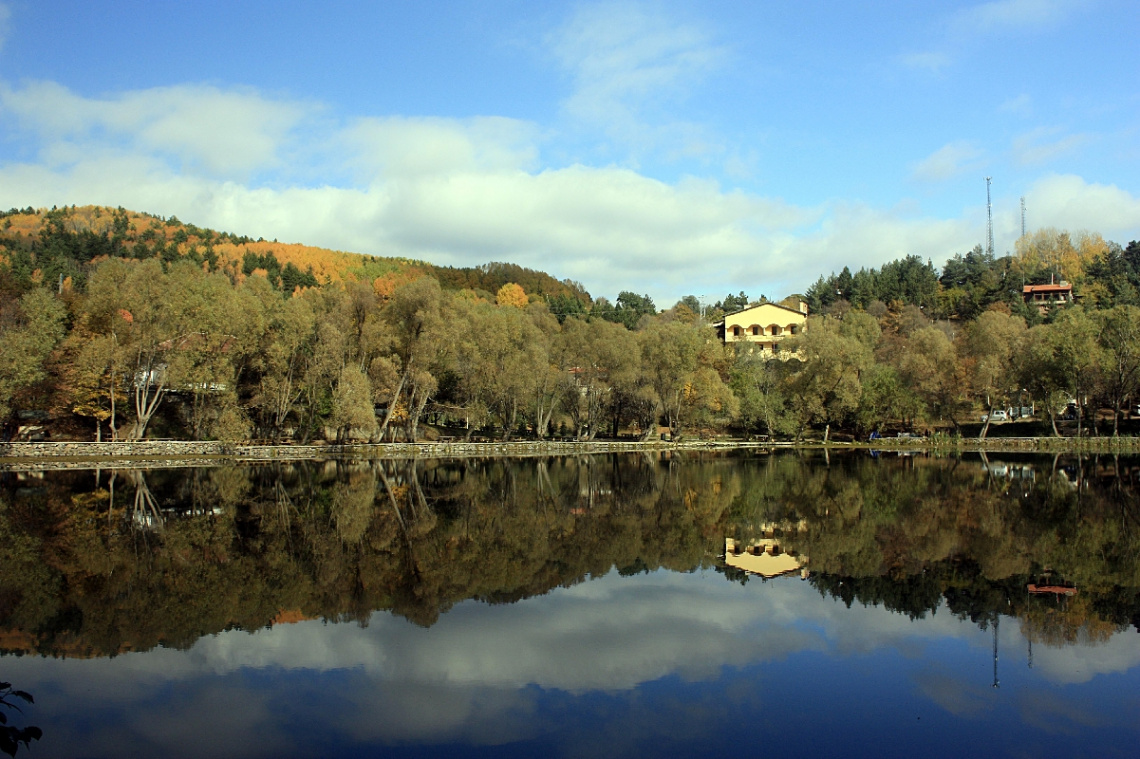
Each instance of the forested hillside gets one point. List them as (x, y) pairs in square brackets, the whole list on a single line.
[(1102, 273), (47, 247), (125, 325)]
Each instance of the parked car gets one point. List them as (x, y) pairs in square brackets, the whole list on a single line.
[(998, 415)]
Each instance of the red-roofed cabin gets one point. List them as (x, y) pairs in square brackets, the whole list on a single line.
[(1047, 296)]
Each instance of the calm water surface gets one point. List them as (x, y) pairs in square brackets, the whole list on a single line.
[(583, 606)]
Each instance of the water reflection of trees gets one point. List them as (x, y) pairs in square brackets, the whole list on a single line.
[(913, 533), (101, 562), (132, 559)]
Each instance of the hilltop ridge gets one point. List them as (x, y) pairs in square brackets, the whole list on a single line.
[(42, 245)]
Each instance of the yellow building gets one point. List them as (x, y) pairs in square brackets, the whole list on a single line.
[(766, 324)]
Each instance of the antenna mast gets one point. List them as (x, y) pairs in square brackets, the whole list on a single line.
[(997, 619), (989, 221), (1023, 216)]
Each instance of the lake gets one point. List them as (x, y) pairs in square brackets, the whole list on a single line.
[(672, 604)]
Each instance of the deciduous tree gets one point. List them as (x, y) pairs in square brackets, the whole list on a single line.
[(989, 349), (28, 333)]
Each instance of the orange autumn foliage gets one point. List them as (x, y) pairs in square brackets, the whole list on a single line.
[(135, 229), (387, 284), (134, 235), (511, 294)]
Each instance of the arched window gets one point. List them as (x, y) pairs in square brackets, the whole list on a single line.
[(774, 329), (756, 329), (736, 331)]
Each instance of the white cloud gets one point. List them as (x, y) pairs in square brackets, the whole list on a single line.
[(1069, 202), (1043, 144), (931, 60), (879, 236), (967, 26), (445, 196), (612, 229), (1021, 105), (628, 60), (1012, 15), (948, 161), (227, 132), (623, 55), (468, 191), (403, 148)]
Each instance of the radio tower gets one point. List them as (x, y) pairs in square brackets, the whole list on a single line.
[(997, 619), (989, 221), (1023, 216)]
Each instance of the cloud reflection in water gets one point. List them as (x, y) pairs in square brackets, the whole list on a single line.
[(608, 662)]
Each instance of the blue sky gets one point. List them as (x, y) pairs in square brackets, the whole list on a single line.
[(668, 148)]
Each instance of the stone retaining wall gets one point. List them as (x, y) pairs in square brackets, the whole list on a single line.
[(185, 453), (141, 448)]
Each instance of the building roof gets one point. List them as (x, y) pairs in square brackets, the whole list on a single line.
[(1063, 287), (763, 305)]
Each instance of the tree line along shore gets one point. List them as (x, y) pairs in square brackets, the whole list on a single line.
[(119, 326)]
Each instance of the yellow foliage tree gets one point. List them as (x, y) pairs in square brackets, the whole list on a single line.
[(511, 294), (1052, 251)]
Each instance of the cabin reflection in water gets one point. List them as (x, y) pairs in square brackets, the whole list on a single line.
[(765, 557)]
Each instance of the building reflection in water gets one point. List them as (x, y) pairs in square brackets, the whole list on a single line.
[(764, 556)]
